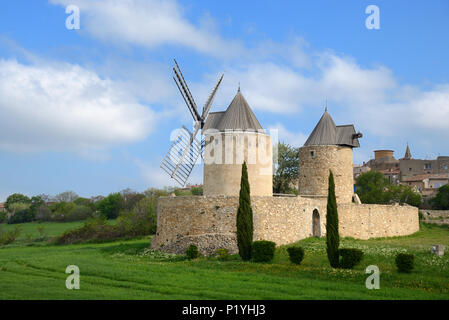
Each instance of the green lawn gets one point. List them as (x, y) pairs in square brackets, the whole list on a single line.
[(121, 270), (30, 232)]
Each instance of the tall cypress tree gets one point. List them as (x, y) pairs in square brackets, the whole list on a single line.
[(244, 217), (332, 236)]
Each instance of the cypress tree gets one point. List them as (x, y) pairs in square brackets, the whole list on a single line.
[(244, 217), (332, 236)]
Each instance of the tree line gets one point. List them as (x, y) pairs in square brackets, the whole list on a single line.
[(68, 206)]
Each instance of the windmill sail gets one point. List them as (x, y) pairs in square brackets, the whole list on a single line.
[(186, 149), (209, 101), (182, 156)]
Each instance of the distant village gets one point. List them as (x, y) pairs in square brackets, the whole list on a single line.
[(424, 176)]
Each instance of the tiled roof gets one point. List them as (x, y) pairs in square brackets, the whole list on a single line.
[(431, 176)]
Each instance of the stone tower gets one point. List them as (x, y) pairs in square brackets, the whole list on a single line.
[(329, 147), (231, 137)]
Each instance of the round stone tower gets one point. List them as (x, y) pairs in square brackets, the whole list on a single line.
[(231, 137), (329, 147)]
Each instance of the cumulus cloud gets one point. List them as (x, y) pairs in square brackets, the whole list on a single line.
[(295, 139), (370, 97), (66, 107), (150, 23)]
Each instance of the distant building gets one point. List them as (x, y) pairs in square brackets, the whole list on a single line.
[(425, 175), (427, 184), (2, 207), (359, 169)]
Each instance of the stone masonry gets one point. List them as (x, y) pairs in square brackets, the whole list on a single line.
[(210, 221)]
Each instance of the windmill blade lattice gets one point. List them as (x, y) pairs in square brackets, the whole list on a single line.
[(186, 149), (182, 156)]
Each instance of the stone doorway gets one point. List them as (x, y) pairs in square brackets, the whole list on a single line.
[(316, 228)]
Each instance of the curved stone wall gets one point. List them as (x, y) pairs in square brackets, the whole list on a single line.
[(314, 165), (223, 157), (210, 221)]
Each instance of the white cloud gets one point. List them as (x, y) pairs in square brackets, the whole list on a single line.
[(150, 23), (295, 139), (154, 176), (65, 107)]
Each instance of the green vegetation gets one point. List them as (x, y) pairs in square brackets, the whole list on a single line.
[(33, 232), (262, 251), (7, 237), (129, 270), (441, 200), (373, 187), (139, 222), (404, 262), (332, 235), (286, 175), (296, 254), (244, 217), (192, 252), (350, 257), (222, 254)]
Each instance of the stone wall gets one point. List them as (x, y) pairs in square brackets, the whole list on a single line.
[(314, 165), (435, 213), (223, 157), (365, 221), (209, 221)]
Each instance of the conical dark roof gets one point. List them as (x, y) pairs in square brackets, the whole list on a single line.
[(238, 116), (325, 132)]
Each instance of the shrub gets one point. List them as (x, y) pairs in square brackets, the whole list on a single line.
[(296, 254), (404, 262), (197, 191), (244, 217), (192, 252), (25, 215), (94, 229), (141, 220), (3, 217), (262, 251), (9, 236), (111, 205), (222, 254), (43, 213), (77, 213), (42, 233), (350, 257)]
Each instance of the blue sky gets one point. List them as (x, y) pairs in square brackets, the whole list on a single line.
[(91, 110)]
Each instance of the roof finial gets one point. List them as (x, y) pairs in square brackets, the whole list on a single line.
[(326, 106), (239, 87)]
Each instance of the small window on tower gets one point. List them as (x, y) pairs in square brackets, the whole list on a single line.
[(312, 154)]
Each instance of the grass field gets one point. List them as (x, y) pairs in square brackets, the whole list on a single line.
[(125, 270), (30, 233)]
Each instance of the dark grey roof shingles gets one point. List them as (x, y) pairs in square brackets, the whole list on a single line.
[(327, 133), (238, 116)]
